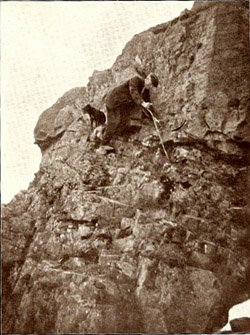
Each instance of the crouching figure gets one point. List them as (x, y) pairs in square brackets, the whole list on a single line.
[(122, 100)]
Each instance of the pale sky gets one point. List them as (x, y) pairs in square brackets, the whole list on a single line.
[(47, 48)]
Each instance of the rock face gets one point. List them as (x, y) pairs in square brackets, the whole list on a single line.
[(123, 240), (240, 325)]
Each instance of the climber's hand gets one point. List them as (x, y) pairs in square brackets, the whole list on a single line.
[(146, 104)]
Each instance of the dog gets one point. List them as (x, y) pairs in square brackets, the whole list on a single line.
[(97, 118)]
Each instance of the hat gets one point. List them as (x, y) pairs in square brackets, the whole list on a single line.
[(154, 79)]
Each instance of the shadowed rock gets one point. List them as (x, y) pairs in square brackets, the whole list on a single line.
[(241, 325)]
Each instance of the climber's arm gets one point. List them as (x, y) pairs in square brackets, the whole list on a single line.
[(134, 89)]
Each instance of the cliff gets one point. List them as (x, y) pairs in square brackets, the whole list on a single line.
[(127, 241)]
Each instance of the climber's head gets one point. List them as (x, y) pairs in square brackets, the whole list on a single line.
[(151, 81)]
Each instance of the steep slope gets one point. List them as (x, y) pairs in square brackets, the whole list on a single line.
[(127, 241)]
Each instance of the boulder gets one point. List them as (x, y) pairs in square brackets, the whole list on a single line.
[(240, 325), (56, 119)]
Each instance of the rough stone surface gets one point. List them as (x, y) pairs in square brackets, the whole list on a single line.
[(55, 120), (123, 240), (241, 325)]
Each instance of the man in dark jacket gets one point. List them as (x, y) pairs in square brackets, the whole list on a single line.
[(122, 99)]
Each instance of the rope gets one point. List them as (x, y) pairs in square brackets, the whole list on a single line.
[(158, 132)]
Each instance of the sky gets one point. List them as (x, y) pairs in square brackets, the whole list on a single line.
[(48, 48)]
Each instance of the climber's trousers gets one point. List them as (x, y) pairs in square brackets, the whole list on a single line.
[(118, 120)]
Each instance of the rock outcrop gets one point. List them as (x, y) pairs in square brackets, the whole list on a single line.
[(124, 240), (241, 325)]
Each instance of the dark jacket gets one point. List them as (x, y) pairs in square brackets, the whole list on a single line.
[(129, 93)]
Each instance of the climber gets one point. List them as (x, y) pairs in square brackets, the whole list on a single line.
[(122, 99), (97, 117)]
